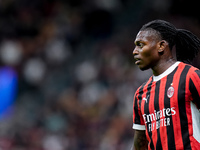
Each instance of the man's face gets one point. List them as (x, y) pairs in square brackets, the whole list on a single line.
[(146, 49)]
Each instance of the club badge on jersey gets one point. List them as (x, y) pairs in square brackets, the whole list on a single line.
[(170, 91)]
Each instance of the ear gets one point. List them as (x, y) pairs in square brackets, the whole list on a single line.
[(162, 45)]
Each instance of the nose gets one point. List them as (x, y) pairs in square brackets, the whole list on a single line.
[(135, 51)]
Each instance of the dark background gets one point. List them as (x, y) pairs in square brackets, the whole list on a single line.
[(75, 70)]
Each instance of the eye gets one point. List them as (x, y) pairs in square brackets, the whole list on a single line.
[(139, 44)]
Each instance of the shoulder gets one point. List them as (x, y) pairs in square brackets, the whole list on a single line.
[(191, 69), (141, 88), (194, 74)]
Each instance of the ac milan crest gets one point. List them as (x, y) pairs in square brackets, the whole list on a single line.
[(170, 91)]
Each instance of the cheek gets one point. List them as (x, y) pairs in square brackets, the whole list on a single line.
[(149, 55)]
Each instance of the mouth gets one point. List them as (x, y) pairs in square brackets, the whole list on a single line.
[(137, 61)]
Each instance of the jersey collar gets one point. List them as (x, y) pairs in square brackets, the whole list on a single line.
[(166, 72)]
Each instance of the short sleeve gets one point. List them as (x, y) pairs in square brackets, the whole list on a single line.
[(138, 122), (194, 87)]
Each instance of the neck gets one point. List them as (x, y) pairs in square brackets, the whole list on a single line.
[(162, 66)]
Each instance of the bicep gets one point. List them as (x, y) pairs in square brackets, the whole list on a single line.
[(137, 115), (194, 87), (140, 141)]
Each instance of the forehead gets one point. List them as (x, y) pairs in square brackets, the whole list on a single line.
[(147, 35)]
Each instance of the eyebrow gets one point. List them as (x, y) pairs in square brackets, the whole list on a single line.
[(138, 42)]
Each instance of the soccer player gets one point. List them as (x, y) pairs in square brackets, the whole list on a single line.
[(166, 108)]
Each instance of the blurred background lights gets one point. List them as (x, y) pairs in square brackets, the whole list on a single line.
[(8, 88), (34, 71), (10, 52), (57, 51), (86, 71)]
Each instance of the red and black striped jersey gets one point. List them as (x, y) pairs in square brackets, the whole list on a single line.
[(168, 108)]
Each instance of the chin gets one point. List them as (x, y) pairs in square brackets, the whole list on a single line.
[(143, 68)]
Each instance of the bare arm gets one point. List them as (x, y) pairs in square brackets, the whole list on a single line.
[(140, 141)]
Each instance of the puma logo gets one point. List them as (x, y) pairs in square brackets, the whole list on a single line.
[(145, 98)]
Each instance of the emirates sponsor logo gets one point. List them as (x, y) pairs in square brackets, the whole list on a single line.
[(159, 118)]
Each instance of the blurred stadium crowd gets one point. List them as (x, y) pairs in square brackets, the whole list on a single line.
[(75, 70)]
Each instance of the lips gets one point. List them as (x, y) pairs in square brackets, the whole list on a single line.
[(137, 60)]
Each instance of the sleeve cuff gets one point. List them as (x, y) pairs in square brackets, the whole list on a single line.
[(139, 127)]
